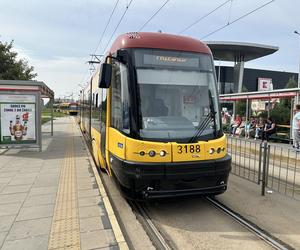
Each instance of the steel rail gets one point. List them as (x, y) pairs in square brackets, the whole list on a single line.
[(262, 234), (156, 237)]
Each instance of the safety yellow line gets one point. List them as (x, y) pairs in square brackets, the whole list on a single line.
[(65, 232)]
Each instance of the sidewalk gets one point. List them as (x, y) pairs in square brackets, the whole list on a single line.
[(51, 199)]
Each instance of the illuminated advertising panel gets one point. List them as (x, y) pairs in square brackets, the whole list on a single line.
[(18, 119)]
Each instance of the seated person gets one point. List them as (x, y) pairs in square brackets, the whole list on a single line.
[(249, 127), (236, 123), (241, 129), (259, 128), (269, 129)]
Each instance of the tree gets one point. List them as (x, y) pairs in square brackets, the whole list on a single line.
[(12, 68), (240, 107), (281, 112)]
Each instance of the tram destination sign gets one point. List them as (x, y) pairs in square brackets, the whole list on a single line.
[(18, 119), (166, 60)]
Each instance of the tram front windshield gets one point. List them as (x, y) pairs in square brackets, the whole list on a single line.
[(177, 93)]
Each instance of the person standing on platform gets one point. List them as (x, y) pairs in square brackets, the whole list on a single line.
[(296, 128)]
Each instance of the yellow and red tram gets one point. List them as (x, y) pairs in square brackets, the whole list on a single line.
[(152, 114)]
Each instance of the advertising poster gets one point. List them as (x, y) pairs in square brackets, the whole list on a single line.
[(17, 123)]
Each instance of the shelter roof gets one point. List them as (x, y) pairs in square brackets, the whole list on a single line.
[(22, 85), (239, 51)]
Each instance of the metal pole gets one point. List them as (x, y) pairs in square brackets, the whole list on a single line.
[(219, 76), (247, 114), (264, 169), (259, 163), (291, 118), (38, 121), (297, 96), (52, 101), (269, 106)]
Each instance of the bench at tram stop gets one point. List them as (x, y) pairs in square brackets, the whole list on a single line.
[(282, 134)]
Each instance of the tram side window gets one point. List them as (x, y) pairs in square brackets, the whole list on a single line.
[(120, 98), (96, 111), (103, 108)]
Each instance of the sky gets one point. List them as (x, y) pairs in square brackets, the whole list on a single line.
[(57, 37)]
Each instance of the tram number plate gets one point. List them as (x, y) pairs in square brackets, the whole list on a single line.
[(188, 149)]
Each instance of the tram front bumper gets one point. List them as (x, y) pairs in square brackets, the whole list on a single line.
[(174, 178)]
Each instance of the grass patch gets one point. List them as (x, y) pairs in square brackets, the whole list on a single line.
[(46, 115)]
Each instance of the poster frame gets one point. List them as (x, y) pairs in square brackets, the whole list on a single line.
[(38, 131)]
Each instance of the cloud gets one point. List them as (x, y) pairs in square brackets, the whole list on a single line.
[(62, 74)]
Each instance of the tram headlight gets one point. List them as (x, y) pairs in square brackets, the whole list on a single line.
[(162, 153), (152, 153), (211, 151), (142, 153), (219, 150)]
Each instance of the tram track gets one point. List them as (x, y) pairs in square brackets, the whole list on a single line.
[(262, 234), (160, 241)]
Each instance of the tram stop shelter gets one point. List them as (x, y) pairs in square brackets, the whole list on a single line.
[(267, 96), (20, 113), (238, 53)]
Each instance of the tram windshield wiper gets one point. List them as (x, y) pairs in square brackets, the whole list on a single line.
[(211, 116)]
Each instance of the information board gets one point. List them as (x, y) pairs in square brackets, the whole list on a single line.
[(18, 119)]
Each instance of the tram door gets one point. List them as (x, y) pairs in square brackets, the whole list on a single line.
[(103, 112)]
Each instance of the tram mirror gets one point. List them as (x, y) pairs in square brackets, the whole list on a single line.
[(105, 75)]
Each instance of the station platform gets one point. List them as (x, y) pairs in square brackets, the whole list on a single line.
[(54, 199)]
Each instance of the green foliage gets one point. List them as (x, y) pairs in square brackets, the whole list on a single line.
[(240, 107), (281, 114), (282, 111), (291, 83), (10, 67)]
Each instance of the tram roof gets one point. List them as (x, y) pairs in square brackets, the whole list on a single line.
[(235, 51), (158, 40)]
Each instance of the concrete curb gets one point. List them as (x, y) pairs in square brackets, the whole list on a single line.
[(122, 244)]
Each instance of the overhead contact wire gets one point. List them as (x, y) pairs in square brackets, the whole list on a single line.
[(160, 8), (102, 35), (237, 19), (201, 18), (124, 13)]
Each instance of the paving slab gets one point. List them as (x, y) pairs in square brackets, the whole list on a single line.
[(89, 201), (2, 238), (38, 200), (43, 190), (22, 181), (8, 174), (10, 209), (5, 180), (91, 211), (36, 212), (6, 222), (91, 224), (51, 199), (12, 189), (97, 239), (32, 243), (12, 198), (29, 228)]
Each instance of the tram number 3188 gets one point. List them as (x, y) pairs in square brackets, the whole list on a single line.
[(188, 149)]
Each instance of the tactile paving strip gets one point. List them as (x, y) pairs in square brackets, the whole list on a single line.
[(65, 232)]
